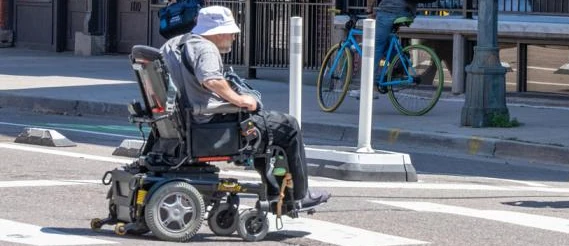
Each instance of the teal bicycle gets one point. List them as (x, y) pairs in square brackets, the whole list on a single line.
[(412, 77)]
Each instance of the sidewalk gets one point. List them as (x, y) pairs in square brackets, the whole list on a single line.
[(63, 83)]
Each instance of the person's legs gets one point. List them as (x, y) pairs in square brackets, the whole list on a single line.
[(287, 135), (383, 26)]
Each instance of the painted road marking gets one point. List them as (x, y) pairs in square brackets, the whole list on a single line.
[(315, 182), (523, 219), (528, 183), (73, 130), (334, 233), (65, 153), (37, 183), (337, 234), (16, 232)]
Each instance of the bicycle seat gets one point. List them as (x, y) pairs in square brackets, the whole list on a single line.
[(403, 21)]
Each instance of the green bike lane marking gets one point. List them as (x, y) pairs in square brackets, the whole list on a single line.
[(99, 128)]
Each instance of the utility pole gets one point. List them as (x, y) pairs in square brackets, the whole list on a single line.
[(485, 76)]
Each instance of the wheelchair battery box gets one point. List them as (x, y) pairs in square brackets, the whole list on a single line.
[(122, 194), (215, 139)]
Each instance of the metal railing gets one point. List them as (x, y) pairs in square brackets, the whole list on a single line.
[(468, 7), (263, 41), (265, 24)]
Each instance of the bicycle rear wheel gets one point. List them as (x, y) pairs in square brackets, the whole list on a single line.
[(332, 86), (420, 96)]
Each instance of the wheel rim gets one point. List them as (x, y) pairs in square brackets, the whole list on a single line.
[(225, 219), (175, 212), (254, 225)]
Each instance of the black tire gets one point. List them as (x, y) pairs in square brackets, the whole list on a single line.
[(420, 97), (224, 219), (96, 224), (331, 92), (175, 212), (252, 228)]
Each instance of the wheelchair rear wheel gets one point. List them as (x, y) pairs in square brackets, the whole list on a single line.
[(175, 212)]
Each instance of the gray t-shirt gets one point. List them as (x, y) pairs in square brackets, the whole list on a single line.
[(207, 63), (397, 6)]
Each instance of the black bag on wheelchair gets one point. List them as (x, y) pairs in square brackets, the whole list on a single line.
[(178, 18)]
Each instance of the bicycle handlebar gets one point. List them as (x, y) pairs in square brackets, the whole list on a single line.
[(354, 18)]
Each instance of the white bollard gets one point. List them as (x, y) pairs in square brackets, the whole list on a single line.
[(415, 55), (366, 90), (295, 99)]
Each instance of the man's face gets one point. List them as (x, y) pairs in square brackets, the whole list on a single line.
[(224, 42)]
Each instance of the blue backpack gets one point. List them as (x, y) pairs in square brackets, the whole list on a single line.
[(178, 18)]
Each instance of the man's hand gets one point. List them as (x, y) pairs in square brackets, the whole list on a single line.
[(221, 87), (371, 14), (248, 102)]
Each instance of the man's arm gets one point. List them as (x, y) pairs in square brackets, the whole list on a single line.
[(221, 87)]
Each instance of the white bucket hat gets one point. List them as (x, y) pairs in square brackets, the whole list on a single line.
[(215, 20)]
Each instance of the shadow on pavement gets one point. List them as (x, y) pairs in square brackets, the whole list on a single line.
[(200, 237), (539, 204)]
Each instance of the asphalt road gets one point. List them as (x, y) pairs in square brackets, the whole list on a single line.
[(48, 196)]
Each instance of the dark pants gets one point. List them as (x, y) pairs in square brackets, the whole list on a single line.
[(383, 27), (286, 134)]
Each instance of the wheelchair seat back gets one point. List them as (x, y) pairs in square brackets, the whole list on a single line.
[(174, 138), (157, 91)]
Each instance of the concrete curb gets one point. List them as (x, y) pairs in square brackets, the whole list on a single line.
[(472, 145), (61, 106), (345, 163)]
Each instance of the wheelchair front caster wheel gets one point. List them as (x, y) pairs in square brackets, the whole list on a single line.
[(96, 224), (120, 229), (252, 227), (223, 221)]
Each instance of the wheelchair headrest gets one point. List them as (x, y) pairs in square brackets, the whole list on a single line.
[(146, 53)]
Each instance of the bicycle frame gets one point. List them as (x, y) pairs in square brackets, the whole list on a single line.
[(394, 43)]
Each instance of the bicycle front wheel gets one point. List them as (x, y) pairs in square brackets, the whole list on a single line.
[(332, 85), (422, 94)]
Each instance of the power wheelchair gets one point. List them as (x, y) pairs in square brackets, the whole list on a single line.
[(170, 186)]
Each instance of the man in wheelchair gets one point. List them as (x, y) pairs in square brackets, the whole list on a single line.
[(206, 85), (198, 114)]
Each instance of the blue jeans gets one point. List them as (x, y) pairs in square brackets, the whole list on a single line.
[(383, 26)]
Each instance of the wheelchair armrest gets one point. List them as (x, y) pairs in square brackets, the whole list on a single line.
[(145, 119), (222, 108)]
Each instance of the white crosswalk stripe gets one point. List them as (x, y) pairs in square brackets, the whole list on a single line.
[(37, 183), (517, 218), (338, 234)]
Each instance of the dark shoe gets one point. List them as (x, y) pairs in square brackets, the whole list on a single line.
[(381, 89), (314, 198), (398, 71)]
